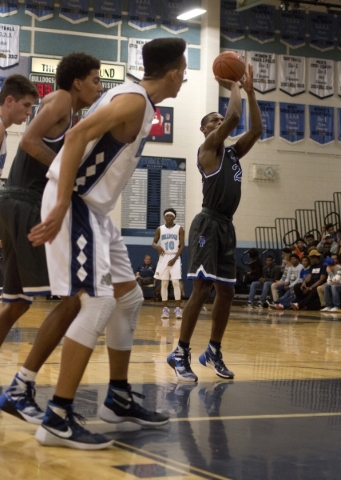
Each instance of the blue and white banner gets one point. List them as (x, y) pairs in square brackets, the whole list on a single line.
[(241, 127), (142, 15), (8, 7), (292, 74), (9, 45), (108, 13), (232, 23), (262, 23), (74, 11), (40, 9), (321, 124), (339, 124), (267, 110), (322, 31), (169, 11), (293, 28), (264, 71), (135, 61), (291, 122), (321, 77)]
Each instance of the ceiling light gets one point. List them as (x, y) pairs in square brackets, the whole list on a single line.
[(191, 14)]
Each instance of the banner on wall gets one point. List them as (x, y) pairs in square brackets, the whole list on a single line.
[(9, 45), (170, 9), (293, 28), (339, 124), (241, 127), (8, 7), (291, 122), (264, 71), (40, 9), (322, 31), (232, 23), (321, 124), (267, 110), (321, 77), (262, 23), (292, 74), (135, 61), (109, 13), (74, 11), (142, 15)]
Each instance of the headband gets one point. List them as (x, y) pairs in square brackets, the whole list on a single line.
[(169, 213)]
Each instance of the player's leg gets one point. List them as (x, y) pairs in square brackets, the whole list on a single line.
[(119, 337)]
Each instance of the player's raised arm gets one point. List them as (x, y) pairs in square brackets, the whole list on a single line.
[(246, 142)]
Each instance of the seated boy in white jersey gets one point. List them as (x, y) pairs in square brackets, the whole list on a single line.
[(169, 241), (85, 180)]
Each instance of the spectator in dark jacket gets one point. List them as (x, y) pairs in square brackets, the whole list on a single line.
[(269, 276), (255, 267), (145, 273)]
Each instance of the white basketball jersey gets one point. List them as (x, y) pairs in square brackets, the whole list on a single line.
[(169, 239), (108, 164)]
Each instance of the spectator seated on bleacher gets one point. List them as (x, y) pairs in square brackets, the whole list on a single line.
[(310, 241), (327, 244), (277, 288), (145, 272), (306, 293), (289, 296), (332, 290), (299, 248), (255, 268), (270, 275)]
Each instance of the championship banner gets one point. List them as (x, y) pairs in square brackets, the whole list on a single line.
[(321, 77), (293, 28), (291, 122), (262, 23), (292, 74), (170, 9), (241, 127), (232, 23), (40, 9), (264, 71), (267, 110), (339, 124), (322, 31), (9, 45), (321, 124), (142, 15), (109, 13), (135, 62), (8, 7), (74, 11)]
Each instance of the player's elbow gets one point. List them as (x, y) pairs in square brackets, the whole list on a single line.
[(28, 144)]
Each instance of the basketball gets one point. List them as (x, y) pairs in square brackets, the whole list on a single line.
[(229, 66)]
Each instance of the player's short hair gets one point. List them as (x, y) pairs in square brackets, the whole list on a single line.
[(206, 118), (75, 65), (169, 210), (18, 87), (162, 55)]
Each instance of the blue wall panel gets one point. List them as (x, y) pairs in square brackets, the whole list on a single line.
[(55, 44)]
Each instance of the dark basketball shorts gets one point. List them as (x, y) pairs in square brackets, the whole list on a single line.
[(212, 243), (25, 269)]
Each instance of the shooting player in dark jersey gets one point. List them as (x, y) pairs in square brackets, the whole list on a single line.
[(212, 238)]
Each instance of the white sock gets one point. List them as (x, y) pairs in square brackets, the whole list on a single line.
[(26, 375)]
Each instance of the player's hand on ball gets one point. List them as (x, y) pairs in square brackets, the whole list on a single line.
[(225, 83), (247, 80)]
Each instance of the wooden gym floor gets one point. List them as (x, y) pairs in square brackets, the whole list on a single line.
[(279, 419)]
